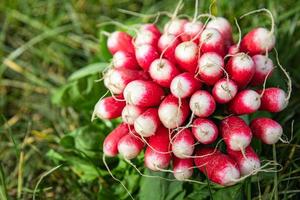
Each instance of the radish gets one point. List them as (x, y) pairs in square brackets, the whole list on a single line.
[(146, 37), (273, 100), (241, 69), (110, 144), (163, 71), (248, 163), (258, 41), (147, 123), (143, 93), (191, 30), (126, 60), (130, 146), (151, 27), (183, 168), (223, 26), (184, 85), (117, 79), (236, 133), (203, 156), (210, 67), (130, 113), (267, 130), (205, 130), (183, 143), (263, 68), (171, 113), (145, 54), (218, 167), (120, 41), (211, 40), (167, 44), (233, 49), (245, 102), (109, 108), (202, 103), (186, 55), (157, 155), (175, 27), (224, 90)]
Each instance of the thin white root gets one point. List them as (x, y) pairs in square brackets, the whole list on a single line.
[(240, 33)]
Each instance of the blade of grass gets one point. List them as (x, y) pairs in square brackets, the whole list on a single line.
[(3, 190)]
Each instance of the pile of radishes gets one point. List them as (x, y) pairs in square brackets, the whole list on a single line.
[(180, 90)]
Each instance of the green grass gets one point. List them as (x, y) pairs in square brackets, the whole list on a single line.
[(45, 115)]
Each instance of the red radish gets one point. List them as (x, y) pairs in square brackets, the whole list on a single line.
[(210, 67), (145, 54), (236, 133), (245, 102), (151, 27), (202, 103), (248, 163), (110, 144), (267, 130), (143, 93), (175, 27), (130, 146), (109, 108), (184, 85), (211, 40), (263, 68), (233, 49), (258, 41), (205, 130), (171, 114), (273, 100), (203, 156), (163, 71), (186, 55), (146, 37), (130, 113), (218, 167), (183, 168), (167, 44), (117, 79), (183, 143), (147, 123), (120, 41), (126, 60), (157, 155), (223, 26), (224, 90), (241, 69), (191, 31)]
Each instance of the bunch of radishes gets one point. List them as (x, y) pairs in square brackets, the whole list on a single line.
[(168, 85)]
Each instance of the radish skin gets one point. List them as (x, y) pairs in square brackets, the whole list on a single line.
[(273, 100), (186, 55), (224, 90), (126, 60), (205, 130), (223, 26), (110, 144), (202, 104), (130, 113), (130, 146), (147, 123), (145, 55), (183, 144), (151, 27), (248, 163), (183, 168), (171, 114), (184, 85), (109, 108), (245, 102), (120, 41), (191, 30), (267, 130), (236, 133), (163, 71), (146, 37), (175, 27), (158, 157), (263, 68), (233, 49), (211, 40), (143, 93), (167, 44)]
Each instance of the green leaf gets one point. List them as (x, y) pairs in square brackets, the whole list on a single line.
[(67, 142), (232, 193), (3, 190), (88, 70)]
